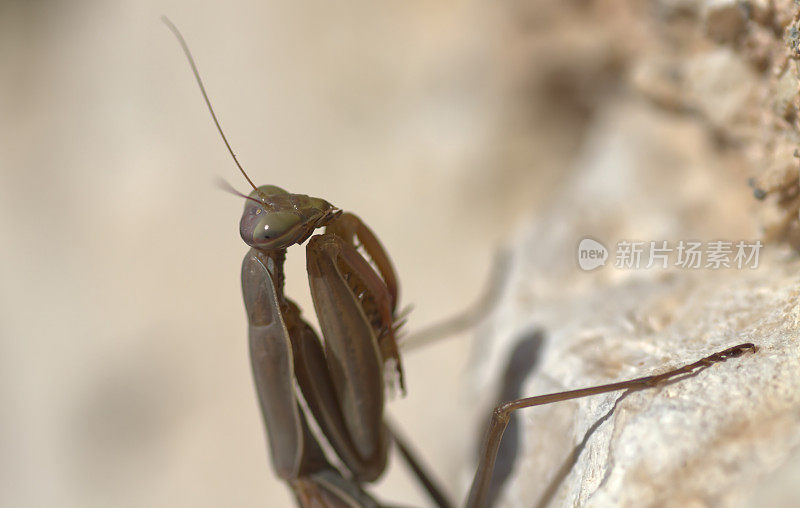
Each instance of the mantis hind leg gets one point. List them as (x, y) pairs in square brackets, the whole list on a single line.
[(479, 492), (522, 360)]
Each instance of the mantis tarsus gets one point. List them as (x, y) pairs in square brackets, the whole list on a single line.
[(339, 382)]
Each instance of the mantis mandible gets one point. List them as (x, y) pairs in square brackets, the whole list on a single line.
[(340, 382)]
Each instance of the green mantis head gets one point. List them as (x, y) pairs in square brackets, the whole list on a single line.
[(276, 219)]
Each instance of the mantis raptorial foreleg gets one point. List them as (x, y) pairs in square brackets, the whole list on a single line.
[(341, 380), (273, 369)]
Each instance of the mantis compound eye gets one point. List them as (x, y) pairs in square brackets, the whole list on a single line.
[(272, 225), (264, 226)]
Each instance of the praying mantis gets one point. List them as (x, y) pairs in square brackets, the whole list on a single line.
[(323, 401)]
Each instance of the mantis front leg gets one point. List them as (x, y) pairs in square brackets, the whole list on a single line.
[(342, 382), (281, 361), (273, 367)]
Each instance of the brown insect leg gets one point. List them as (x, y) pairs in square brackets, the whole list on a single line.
[(502, 413), (523, 358)]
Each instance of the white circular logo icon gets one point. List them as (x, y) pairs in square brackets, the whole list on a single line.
[(591, 254)]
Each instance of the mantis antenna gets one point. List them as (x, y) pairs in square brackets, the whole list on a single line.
[(196, 73)]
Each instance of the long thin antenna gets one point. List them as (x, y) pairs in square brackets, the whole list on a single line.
[(196, 73), (224, 185)]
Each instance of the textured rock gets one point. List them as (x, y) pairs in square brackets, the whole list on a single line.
[(732, 64), (716, 439), (726, 437)]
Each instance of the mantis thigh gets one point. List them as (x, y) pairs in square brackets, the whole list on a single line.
[(286, 354)]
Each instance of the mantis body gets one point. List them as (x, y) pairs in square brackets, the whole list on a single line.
[(340, 382)]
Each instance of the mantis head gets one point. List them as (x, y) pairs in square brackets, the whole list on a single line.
[(276, 219), (273, 218)]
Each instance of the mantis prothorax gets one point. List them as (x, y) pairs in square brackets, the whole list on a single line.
[(340, 382)]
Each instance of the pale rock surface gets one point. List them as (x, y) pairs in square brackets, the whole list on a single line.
[(729, 436)]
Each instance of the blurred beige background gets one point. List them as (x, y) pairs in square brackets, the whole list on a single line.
[(125, 377)]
